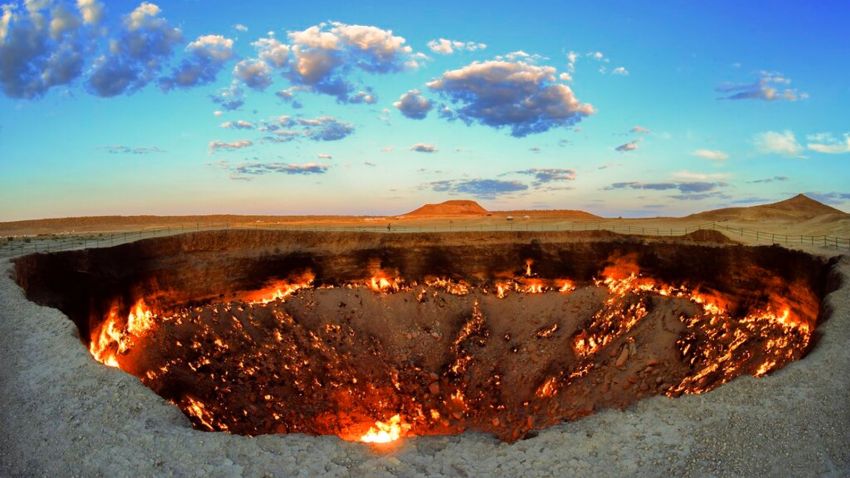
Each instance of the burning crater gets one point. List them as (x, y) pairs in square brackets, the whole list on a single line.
[(373, 337)]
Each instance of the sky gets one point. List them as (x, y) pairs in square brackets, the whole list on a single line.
[(619, 108)]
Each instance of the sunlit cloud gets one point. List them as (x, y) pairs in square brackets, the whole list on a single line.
[(413, 105), (323, 128), (783, 143), (523, 97), (230, 98), (711, 154), (42, 47), (238, 124), (206, 56), (145, 42), (444, 46), (769, 87), (626, 147), (215, 146), (826, 143)]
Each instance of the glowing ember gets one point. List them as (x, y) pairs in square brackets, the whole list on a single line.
[(281, 360), (386, 432)]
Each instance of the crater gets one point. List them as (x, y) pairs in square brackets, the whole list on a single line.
[(374, 337)]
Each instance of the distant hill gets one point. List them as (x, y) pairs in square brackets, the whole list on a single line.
[(799, 207), (571, 214), (458, 207)]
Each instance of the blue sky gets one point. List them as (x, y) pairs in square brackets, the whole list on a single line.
[(619, 108)]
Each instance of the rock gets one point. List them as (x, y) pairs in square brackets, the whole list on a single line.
[(621, 360)]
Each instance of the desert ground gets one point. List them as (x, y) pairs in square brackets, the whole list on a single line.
[(65, 414), (798, 222)]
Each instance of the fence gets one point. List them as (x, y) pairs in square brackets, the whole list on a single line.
[(55, 242)]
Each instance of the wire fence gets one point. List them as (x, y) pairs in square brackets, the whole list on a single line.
[(14, 246)]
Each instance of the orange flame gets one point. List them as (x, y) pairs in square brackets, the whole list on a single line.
[(280, 290), (386, 432), (111, 338), (140, 318)]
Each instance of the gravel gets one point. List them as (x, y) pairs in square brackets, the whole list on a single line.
[(63, 414)]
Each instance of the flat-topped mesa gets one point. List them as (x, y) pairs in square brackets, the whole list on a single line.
[(455, 207)]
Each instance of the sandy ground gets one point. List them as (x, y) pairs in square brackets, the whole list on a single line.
[(63, 414)]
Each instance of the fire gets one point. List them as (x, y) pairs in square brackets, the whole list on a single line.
[(140, 318), (386, 432), (112, 338), (548, 388), (385, 284), (566, 285), (107, 334), (280, 290), (197, 410), (252, 346)]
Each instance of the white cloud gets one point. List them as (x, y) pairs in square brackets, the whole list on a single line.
[(254, 73), (215, 47), (521, 96), (136, 56), (284, 129), (91, 11), (620, 70), (572, 58), (711, 154), (272, 51), (770, 86), (205, 58), (240, 27), (444, 46), (630, 146), (323, 54), (692, 176), (239, 124), (413, 105), (229, 146), (774, 142), (827, 144), (424, 148)]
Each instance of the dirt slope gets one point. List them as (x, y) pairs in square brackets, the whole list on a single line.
[(799, 207)]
